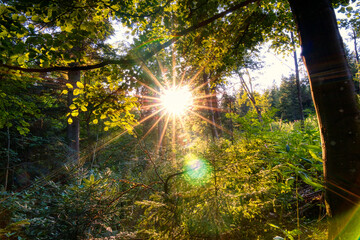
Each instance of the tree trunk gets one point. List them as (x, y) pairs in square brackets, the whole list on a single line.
[(73, 129), (8, 159), (250, 94), (209, 104), (337, 111), (356, 55), (355, 46), (297, 80)]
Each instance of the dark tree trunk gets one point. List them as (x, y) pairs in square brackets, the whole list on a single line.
[(73, 129), (337, 111)]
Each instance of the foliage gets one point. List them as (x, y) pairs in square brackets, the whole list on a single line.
[(89, 205)]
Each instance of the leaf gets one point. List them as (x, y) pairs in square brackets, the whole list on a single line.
[(106, 129), (72, 107), (64, 91), (79, 84), (69, 86), (77, 91), (95, 121), (75, 113), (83, 108), (103, 116), (314, 148), (272, 225), (70, 121), (314, 156), (309, 181), (287, 148)]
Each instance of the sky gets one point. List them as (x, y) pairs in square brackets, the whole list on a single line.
[(275, 66)]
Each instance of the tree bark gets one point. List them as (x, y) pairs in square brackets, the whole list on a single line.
[(337, 111), (73, 129)]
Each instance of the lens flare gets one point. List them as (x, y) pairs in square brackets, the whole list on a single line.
[(198, 171), (177, 100)]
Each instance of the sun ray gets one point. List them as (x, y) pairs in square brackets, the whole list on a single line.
[(163, 72), (153, 126), (204, 96), (150, 106), (210, 108), (163, 132), (173, 68), (156, 81), (207, 120), (148, 97), (148, 87), (204, 84), (150, 116), (182, 78), (196, 75)]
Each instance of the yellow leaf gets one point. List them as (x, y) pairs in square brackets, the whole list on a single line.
[(64, 92), (107, 123), (83, 108), (72, 107), (95, 121), (80, 85), (69, 86), (70, 121), (106, 129), (103, 116), (75, 114), (77, 91)]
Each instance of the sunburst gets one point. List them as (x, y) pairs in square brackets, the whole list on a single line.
[(173, 101)]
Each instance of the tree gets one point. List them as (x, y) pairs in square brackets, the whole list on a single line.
[(228, 35), (336, 107)]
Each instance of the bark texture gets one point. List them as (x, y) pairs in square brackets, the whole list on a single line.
[(337, 111)]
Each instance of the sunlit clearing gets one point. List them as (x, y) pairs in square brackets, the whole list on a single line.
[(177, 100), (197, 170)]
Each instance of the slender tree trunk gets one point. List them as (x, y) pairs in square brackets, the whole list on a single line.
[(73, 129), (209, 104), (8, 159), (250, 95), (356, 55), (297, 80), (355, 47), (337, 111)]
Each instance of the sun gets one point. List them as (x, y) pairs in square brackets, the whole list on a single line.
[(177, 100)]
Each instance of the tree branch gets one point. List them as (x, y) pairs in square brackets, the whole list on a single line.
[(128, 60)]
